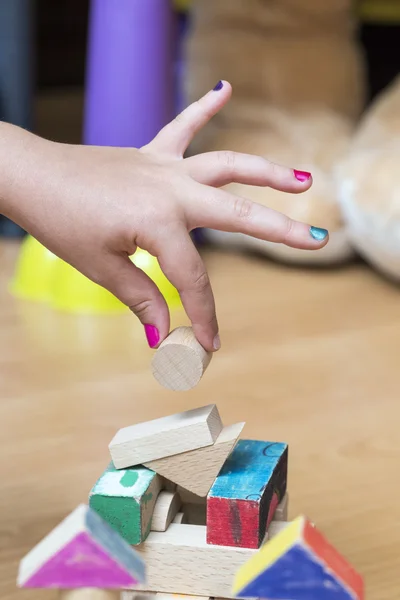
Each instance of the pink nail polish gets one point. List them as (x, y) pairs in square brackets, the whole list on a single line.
[(301, 175), (152, 335)]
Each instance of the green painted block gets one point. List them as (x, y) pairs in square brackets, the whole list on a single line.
[(125, 498)]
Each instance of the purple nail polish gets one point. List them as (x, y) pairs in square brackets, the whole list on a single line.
[(218, 87), (152, 335)]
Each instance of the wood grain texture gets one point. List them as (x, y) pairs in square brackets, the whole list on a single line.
[(165, 510), (309, 357), (194, 507), (125, 499), (245, 495), (180, 561), (180, 361), (165, 436), (89, 594), (196, 470)]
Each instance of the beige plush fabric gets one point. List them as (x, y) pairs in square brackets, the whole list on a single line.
[(298, 80)]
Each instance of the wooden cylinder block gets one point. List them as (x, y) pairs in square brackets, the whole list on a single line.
[(180, 361), (165, 510)]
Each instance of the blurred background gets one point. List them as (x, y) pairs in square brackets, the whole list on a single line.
[(44, 61)]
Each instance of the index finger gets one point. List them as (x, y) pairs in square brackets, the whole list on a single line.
[(176, 136), (183, 266)]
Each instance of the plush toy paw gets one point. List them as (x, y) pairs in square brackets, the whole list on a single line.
[(369, 184)]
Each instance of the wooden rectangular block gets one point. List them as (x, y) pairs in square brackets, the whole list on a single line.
[(180, 561), (166, 436), (281, 513), (125, 499), (300, 563), (81, 552), (196, 470), (126, 595), (275, 527), (244, 496), (194, 507)]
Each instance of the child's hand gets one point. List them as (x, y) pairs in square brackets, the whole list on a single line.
[(93, 206)]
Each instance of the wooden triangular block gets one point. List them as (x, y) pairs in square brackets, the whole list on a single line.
[(300, 563), (197, 469), (82, 552)]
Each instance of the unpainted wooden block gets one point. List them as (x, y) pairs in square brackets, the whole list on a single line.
[(180, 361), (126, 498), (135, 595), (189, 497), (196, 470), (275, 527), (88, 594), (166, 436), (196, 513), (83, 551), (167, 485), (159, 596), (166, 508), (281, 512), (194, 507), (300, 563), (180, 561), (244, 496), (180, 518), (180, 597)]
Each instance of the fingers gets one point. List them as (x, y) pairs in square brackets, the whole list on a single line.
[(218, 209), (175, 137), (220, 168), (134, 288), (183, 266)]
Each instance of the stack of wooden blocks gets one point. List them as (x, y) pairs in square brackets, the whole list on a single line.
[(186, 508), (194, 500)]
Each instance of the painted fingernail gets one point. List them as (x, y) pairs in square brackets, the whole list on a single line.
[(217, 342), (301, 175), (218, 87), (318, 234), (152, 335)]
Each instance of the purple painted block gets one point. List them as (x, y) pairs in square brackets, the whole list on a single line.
[(82, 551), (81, 563)]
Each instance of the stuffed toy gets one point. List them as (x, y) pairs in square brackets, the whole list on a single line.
[(299, 98)]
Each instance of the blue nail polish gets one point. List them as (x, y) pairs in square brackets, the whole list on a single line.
[(218, 87), (318, 234)]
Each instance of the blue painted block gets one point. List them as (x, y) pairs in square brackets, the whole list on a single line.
[(297, 575), (244, 496)]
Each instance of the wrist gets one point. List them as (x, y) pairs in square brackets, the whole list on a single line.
[(20, 153)]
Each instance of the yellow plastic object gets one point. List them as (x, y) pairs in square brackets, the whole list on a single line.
[(42, 276), (182, 5), (379, 11)]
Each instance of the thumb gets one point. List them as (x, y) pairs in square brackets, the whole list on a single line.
[(136, 290)]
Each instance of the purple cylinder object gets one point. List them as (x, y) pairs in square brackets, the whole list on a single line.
[(129, 93)]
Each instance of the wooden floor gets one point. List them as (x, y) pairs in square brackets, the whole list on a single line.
[(308, 357)]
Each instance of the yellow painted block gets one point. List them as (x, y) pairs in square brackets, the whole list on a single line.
[(268, 554)]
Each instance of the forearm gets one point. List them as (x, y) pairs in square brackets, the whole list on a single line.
[(21, 164)]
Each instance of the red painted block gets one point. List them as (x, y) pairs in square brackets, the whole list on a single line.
[(299, 563), (244, 497)]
